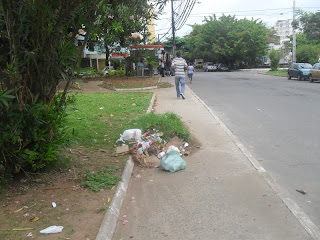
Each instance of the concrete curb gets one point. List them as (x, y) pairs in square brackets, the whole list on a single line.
[(109, 222)]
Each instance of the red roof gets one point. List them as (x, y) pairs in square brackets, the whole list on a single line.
[(118, 55)]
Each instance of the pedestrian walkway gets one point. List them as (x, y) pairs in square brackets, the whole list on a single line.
[(220, 194)]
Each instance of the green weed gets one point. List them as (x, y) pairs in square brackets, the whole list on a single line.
[(104, 179), (169, 123)]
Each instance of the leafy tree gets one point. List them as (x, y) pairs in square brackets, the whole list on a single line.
[(229, 40), (37, 42), (308, 53), (310, 25), (182, 45), (275, 56)]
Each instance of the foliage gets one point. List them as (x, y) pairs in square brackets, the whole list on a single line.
[(169, 123), (117, 73), (274, 56), (182, 45), (308, 53), (229, 40), (37, 50), (310, 25), (31, 141), (104, 179)]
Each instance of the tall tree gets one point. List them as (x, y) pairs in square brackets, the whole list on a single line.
[(229, 40), (37, 39), (310, 23)]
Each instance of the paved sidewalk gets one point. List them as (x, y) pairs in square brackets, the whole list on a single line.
[(220, 195)]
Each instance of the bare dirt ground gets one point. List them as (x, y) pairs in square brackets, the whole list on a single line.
[(26, 205)]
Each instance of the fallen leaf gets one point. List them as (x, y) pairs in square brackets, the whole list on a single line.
[(34, 219), (109, 199), (133, 104)]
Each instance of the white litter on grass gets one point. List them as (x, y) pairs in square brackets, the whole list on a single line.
[(52, 229), (54, 204), (101, 108)]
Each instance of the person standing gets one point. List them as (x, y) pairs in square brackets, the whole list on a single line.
[(168, 63), (191, 70), (162, 68), (179, 65)]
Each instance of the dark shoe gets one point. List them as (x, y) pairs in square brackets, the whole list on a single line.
[(182, 95)]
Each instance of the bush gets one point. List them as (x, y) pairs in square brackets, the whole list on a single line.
[(30, 137), (274, 56), (308, 53)]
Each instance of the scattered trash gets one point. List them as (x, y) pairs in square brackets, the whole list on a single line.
[(54, 205), (130, 135), (101, 108), (138, 176), (30, 235), (161, 155), (109, 199), (26, 215), (67, 209), (124, 216), (172, 161), (173, 148), (302, 191), (52, 229), (125, 222)]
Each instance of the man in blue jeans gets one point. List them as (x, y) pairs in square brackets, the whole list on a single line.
[(179, 65)]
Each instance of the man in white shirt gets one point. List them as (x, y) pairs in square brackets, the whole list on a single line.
[(179, 65)]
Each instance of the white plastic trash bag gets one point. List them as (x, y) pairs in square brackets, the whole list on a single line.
[(173, 148), (52, 229), (130, 135), (173, 162)]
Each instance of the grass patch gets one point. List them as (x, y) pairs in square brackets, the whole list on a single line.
[(104, 179), (97, 119), (169, 123), (277, 73)]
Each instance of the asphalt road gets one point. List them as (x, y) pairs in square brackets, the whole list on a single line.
[(277, 120)]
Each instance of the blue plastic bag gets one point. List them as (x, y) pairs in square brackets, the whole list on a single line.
[(173, 162)]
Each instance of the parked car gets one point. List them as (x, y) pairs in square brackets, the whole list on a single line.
[(209, 66), (221, 67), (299, 70), (107, 69), (315, 72)]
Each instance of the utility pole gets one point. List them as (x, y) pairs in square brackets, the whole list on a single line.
[(173, 31), (294, 40)]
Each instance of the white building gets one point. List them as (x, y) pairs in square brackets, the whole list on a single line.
[(283, 29)]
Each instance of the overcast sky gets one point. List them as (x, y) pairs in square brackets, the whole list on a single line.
[(268, 11)]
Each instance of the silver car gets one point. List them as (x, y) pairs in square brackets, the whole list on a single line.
[(315, 72), (209, 66)]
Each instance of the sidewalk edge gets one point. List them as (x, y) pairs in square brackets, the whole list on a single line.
[(109, 222)]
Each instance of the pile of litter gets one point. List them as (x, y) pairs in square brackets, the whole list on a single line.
[(151, 151)]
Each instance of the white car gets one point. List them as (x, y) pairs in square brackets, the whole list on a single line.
[(108, 69), (209, 66)]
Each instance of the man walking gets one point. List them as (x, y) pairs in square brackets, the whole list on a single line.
[(179, 65)]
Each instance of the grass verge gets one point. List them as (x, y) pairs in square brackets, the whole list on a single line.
[(278, 73)]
